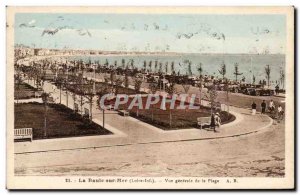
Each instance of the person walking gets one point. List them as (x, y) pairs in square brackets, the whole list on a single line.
[(263, 107), (253, 108), (213, 122), (280, 113), (271, 106), (218, 120)]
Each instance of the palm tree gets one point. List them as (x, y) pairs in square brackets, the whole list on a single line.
[(190, 73), (172, 67), (253, 79), (222, 70), (123, 63), (150, 66), (106, 63), (236, 71), (155, 65), (160, 68), (132, 63), (145, 66), (268, 74)]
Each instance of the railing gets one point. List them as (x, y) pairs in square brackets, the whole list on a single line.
[(23, 133)]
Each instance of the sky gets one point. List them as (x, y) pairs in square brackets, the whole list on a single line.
[(183, 33)]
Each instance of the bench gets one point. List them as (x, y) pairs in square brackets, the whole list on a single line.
[(124, 112), (201, 121), (23, 133)]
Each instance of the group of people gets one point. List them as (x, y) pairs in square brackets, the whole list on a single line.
[(215, 121), (271, 108)]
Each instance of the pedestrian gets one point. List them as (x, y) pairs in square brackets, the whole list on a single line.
[(280, 113), (213, 122), (218, 120), (253, 108), (277, 89), (271, 106), (263, 107)]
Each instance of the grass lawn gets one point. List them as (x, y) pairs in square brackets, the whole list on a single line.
[(61, 121), (24, 91), (180, 119)]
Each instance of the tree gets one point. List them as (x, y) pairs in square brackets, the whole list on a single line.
[(101, 91), (145, 66), (166, 68), (190, 73), (186, 86), (65, 85), (236, 71), (171, 90), (132, 63), (112, 77), (268, 74), (78, 88), (222, 70), (155, 65), (172, 68), (123, 63), (253, 79), (213, 95), (200, 84), (117, 85), (226, 88), (106, 63), (137, 85), (200, 69), (150, 66), (59, 83), (126, 80), (18, 80), (153, 87), (45, 99), (282, 77), (160, 68), (89, 95)]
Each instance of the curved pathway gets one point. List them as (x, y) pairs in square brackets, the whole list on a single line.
[(130, 131)]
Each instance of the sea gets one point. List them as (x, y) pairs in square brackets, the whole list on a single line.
[(248, 64)]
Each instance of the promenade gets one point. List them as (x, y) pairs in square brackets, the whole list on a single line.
[(130, 131)]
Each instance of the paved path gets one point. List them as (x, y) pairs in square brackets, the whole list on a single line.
[(128, 131), (256, 155)]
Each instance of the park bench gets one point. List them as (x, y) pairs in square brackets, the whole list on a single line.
[(23, 133), (201, 121), (124, 112)]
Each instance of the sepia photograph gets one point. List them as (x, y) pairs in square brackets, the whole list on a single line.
[(150, 97)]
